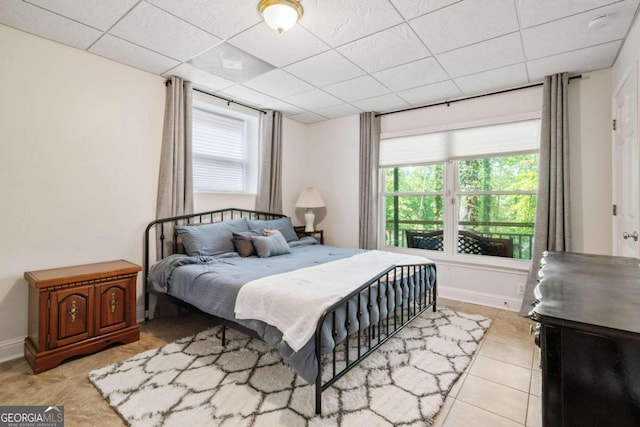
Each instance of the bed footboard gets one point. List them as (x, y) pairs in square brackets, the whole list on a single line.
[(370, 315)]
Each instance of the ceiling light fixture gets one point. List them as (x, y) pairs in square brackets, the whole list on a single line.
[(280, 15)]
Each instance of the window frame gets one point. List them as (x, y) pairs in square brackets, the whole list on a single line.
[(251, 120), (451, 195)]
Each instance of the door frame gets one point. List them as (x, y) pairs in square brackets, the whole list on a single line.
[(633, 69)]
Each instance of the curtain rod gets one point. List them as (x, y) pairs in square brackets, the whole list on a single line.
[(469, 97), (229, 101)]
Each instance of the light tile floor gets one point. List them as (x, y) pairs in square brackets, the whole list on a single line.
[(501, 386)]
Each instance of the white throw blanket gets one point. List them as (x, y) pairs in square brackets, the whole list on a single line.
[(293, 302)]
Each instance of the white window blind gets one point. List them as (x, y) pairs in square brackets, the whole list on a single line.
[(219, 152), (483, 141)]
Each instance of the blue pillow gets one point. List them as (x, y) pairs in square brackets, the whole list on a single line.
[(282, 224), (211, 239), (271, 245)]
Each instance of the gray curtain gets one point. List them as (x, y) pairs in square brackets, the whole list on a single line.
[(175, 184), (553, 228), (269, 197), (368, 200)]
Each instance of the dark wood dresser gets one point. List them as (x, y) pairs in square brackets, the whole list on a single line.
[(588, 309), (79, 310)]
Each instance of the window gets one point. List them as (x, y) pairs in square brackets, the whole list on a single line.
[(467, 191), (224, 153)]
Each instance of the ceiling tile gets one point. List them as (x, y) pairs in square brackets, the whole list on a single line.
[(465, 23), (509, 76), (336, 111), (572, 33), (222, 18), (230, 63), (307, 118), (483, 56), (245, 94), (98, 14), (341, 21), (32, 19), (414, 74), (279, 49), (279, 84), (432, 93), (284, 107), (199, 77), (324, 69), (591, 58), (128, 53), (540, 11), (412, 8), (358, 88), (388, 48), (382, 103), (314, 100), (344, 56), (153, 28)]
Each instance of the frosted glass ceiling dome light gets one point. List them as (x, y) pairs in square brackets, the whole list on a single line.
[(281, 15)]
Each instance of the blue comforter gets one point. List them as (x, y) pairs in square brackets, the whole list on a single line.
[(212, 284)]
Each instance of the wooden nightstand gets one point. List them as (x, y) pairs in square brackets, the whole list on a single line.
[(79, 310), (317, 234)]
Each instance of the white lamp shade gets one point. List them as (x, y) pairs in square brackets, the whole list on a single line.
[(310, 198)]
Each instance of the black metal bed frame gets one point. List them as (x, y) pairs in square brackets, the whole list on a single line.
[(401, 307)]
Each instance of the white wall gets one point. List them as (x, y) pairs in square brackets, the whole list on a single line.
[(203, 202), (324, 155), (297, 166), (79, 153), (590, 166), (511, 103), (332, 159)]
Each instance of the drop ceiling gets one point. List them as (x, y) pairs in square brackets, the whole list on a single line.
[(343, 56)]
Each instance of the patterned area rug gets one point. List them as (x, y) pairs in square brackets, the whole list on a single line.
[(195, 381)]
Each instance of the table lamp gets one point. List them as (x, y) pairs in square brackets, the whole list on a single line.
[(309, 199)]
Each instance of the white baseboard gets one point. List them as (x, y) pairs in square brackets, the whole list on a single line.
[(11, 349), (474, 297), (140, 314)]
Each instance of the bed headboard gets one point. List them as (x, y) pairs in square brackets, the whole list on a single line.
[(166, 238)]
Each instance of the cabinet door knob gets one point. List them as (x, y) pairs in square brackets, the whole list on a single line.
[(73, 311), (633, 235), (113, 302)]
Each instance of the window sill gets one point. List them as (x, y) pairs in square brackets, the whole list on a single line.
[(226, 193), (471, 261)]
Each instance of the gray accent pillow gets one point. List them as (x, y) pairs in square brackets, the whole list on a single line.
[(282, 224), (243, 243), (272, 245), (211, 239)]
